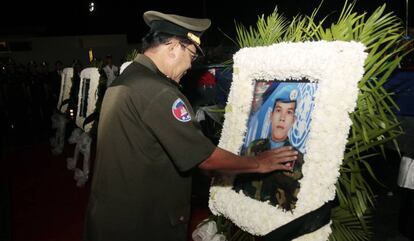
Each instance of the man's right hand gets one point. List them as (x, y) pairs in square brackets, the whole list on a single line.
[(226, 162), (276, 159)]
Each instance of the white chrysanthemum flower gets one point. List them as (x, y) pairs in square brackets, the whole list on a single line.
[(336, 67)]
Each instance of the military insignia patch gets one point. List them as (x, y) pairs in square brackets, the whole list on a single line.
[(179, 111), (293, 95)]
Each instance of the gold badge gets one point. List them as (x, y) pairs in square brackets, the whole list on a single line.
[(193, 38)]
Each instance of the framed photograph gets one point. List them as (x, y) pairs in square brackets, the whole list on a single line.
[(288, 94), (280, 116)]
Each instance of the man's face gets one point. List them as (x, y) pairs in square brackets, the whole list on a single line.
[(282, 118), (108, 61), (184, 58)]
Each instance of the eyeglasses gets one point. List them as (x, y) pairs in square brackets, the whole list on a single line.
[(194, 55)]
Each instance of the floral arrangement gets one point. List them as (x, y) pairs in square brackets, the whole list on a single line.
[(59, 120), (88, 92), (373, 121), (337, 67), (65, 86)]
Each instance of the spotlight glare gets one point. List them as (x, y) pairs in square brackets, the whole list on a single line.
[(91, 6)]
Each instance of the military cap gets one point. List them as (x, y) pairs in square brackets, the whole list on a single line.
[(190, 28)]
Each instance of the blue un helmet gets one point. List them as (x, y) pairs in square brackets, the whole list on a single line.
[(285, 92)]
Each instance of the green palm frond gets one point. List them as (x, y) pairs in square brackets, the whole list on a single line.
[(269, 30), (132, 55), (349, 228), (373, 121)]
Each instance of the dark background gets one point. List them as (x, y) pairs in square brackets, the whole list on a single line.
[(62, 18)]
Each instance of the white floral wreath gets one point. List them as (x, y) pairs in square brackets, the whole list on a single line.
[(92, 74), (337, 67), (65, 86)]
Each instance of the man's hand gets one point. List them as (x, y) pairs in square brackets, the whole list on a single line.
[(226, 162), (276, 159)]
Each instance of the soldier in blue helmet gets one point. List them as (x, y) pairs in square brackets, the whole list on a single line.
[(280, 188)]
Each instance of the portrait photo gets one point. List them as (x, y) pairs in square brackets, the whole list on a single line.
[(280, 116)]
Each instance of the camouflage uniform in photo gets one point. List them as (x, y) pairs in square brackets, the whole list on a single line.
[(279, 188)]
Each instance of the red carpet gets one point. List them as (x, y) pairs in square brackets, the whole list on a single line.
[(46, 205)]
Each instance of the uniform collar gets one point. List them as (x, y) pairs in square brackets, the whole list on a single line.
[(275, 144), (147, 62)]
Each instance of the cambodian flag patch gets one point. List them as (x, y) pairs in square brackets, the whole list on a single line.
[(180, 112)]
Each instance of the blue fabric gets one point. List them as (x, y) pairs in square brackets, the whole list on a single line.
[(401, 83), (274, 144), (224, 78)]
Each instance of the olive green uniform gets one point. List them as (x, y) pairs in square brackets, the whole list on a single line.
[(141, 184)]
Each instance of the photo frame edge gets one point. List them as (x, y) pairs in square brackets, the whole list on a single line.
[(350, 53)]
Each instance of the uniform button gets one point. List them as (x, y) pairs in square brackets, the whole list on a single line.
[(181, 218)]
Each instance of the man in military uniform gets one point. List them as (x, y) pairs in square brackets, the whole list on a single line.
[(279, 187), (148, 142)]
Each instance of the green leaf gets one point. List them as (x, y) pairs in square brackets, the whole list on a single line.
[(373, 122)]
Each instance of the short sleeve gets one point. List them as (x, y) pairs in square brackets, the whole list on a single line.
[(172, 121)]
